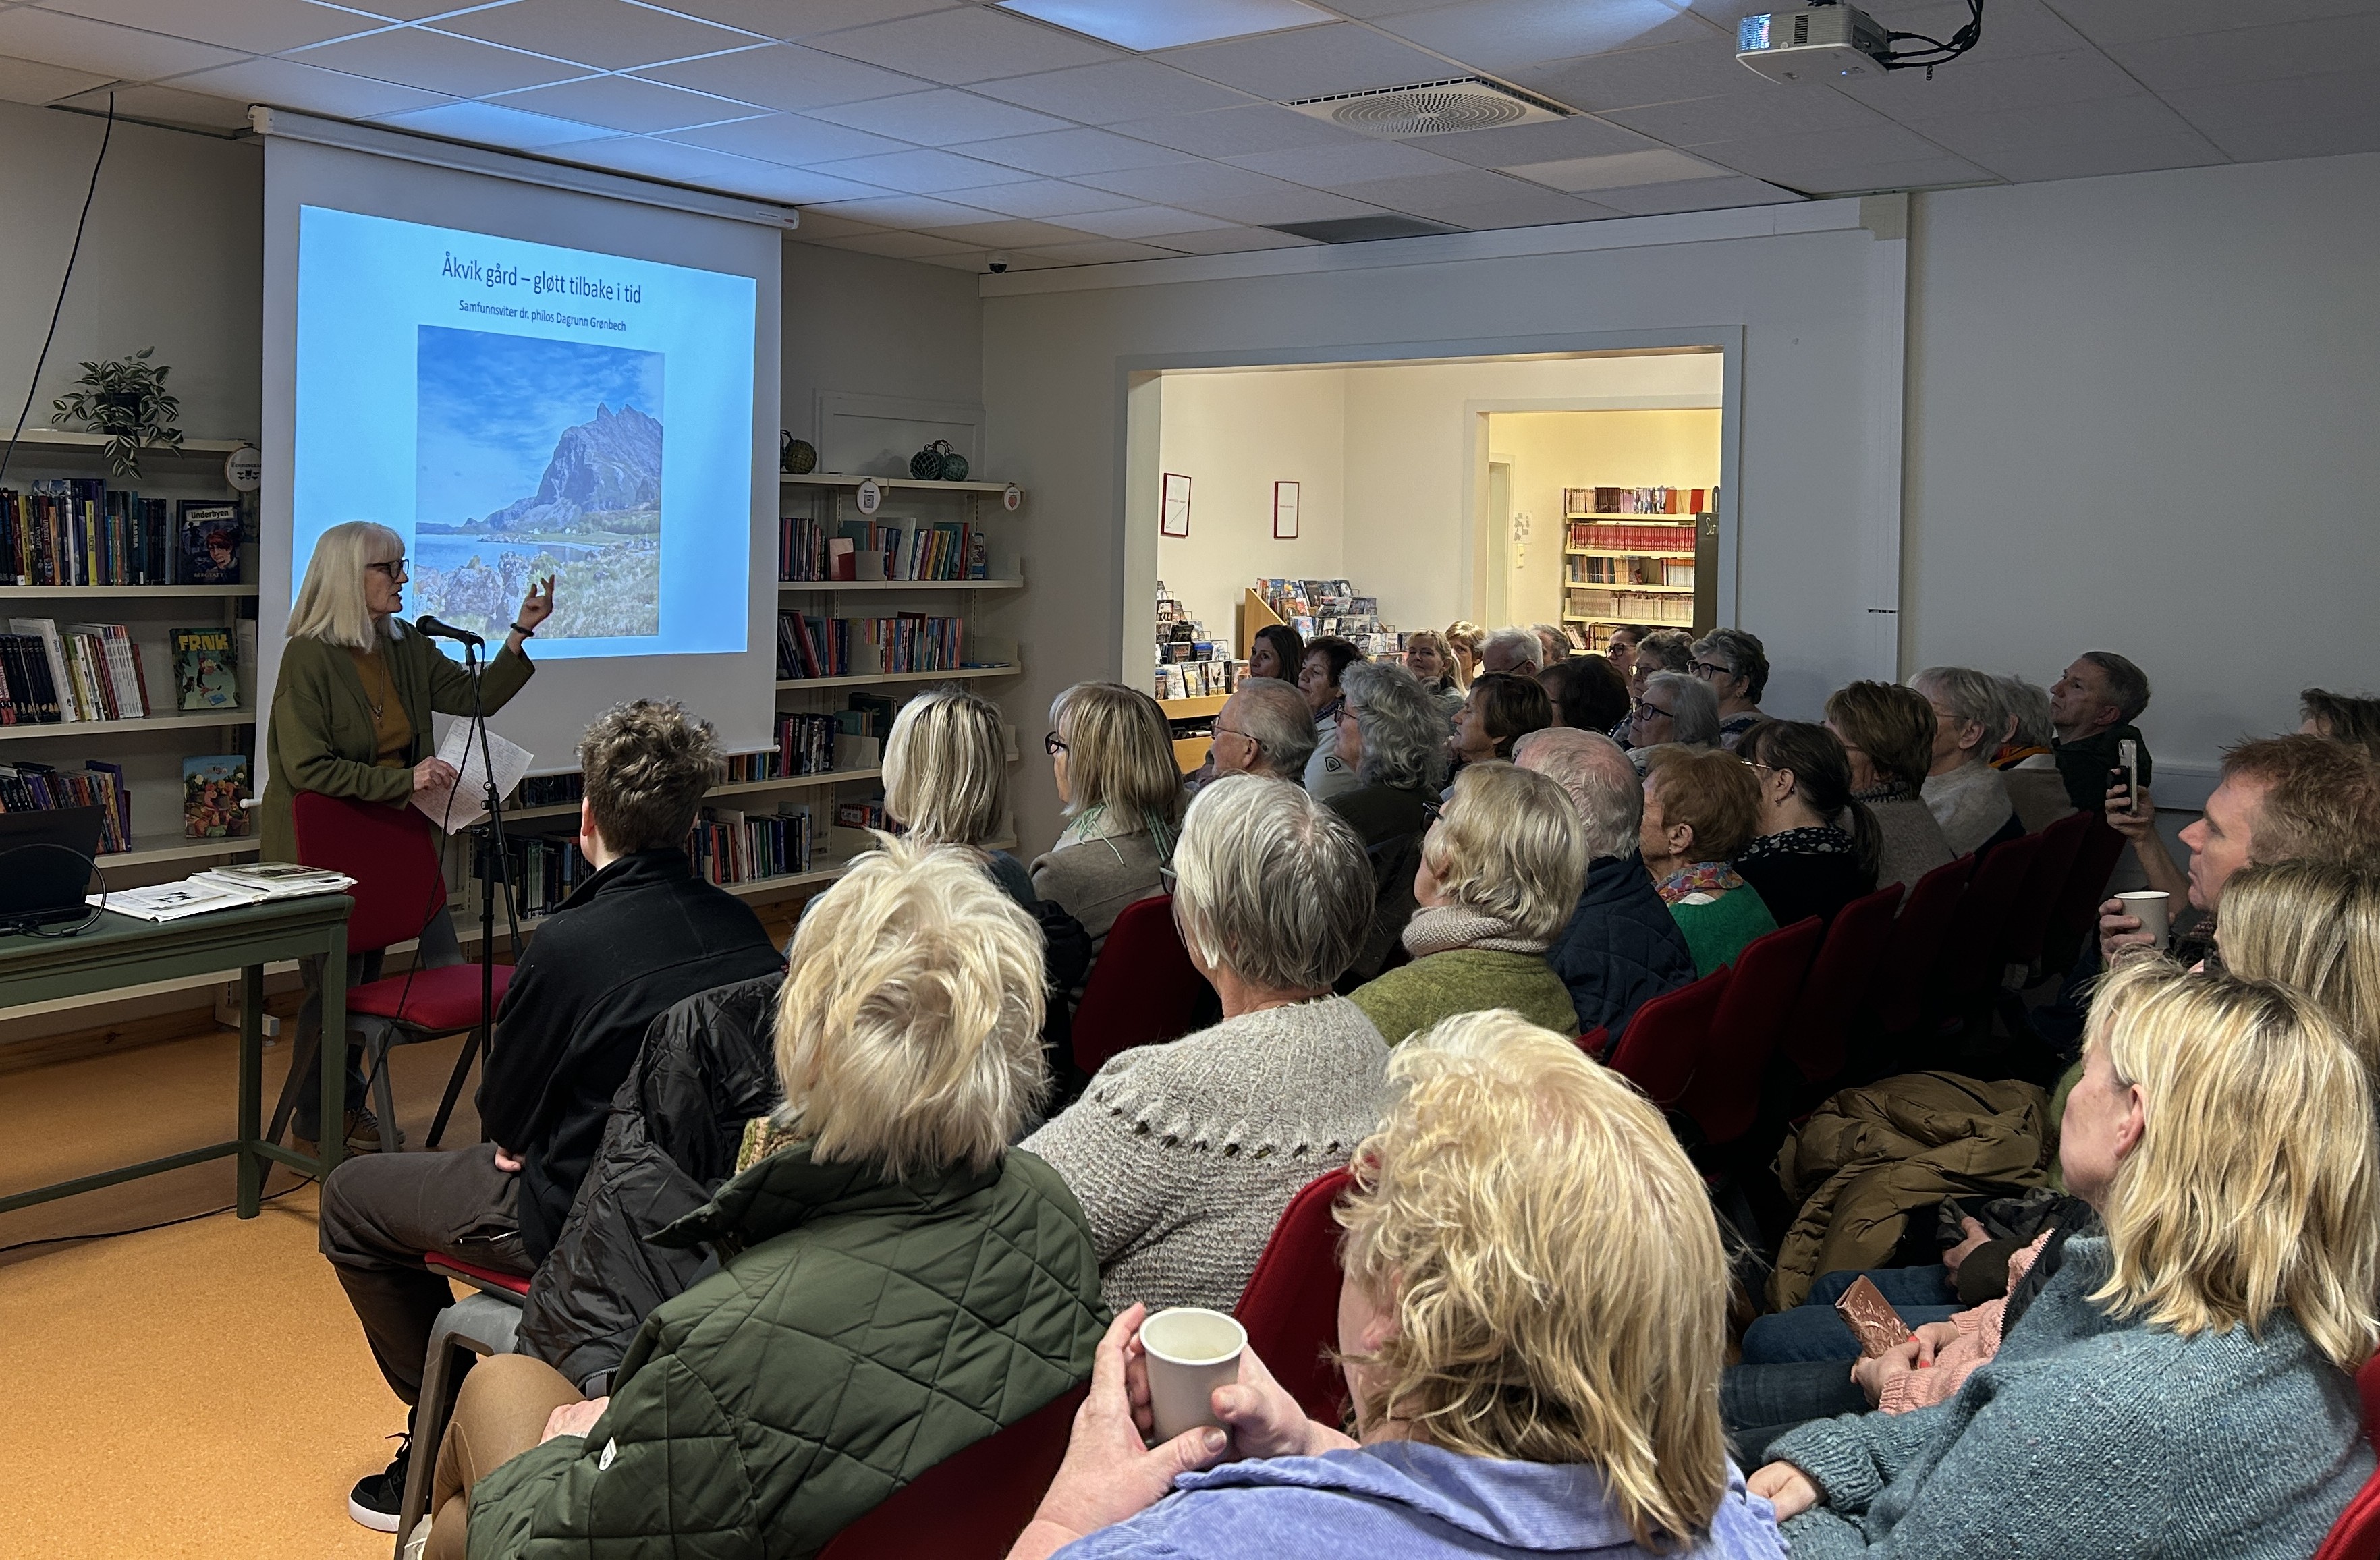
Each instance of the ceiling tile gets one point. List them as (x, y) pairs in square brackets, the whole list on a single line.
[(1110, 93), (784, 76), (1142, 222), (2246, 54), (1100, 251), (1543, 142), (908, 212), (1455, 197), (1695, 195), (2010, 27), (1289, 202), (494, 125), (29, 81), (1978, 86), (2131, 21), (1229, 240), (405, 10), (286, 84), (166, 105), (1237, 132), (1328, 167), (1770, 109), (2053, 125), (919, 172), (626, 102), (1042, 198), (790, 138), (607, 34), (1373, 10), (2310, 117), (2186, 149), (1499, 35), (1067, 153), (965, 45), (256, 27), (681, 163), (436, 62), (1193, 185), (901, 245), (1814, 160), (819, 225), (1016, 233), (787, 19), (942, 118), (117, 53), (1578, 176), (1312, 62), (1706, 68)]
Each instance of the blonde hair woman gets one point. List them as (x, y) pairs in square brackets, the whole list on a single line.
[(1516, 1390), (2223, 1128), (2315, 925), (350, 718), (947, 779), (1112, 757), (1462, 638), (1501, 872), (908, 1044)]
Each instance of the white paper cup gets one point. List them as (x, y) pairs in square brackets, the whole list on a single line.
[(2153, 908), (1191, 1352)]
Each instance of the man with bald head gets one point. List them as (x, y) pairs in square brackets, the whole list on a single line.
[(1623, 946)]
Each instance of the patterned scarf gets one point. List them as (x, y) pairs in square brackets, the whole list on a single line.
[(1440, 928), (1814, 840), (1698, 878)]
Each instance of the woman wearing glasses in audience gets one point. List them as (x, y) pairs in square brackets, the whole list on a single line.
[(1735, 667), (1816, 849), (1676, 708), (1112, 757), (350, 718)]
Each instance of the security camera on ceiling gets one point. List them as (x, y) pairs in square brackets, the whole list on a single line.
[(1834, 42)]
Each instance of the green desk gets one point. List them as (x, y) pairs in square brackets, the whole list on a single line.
[(122, 951)]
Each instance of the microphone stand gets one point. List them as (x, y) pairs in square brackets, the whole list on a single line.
[(495, 869)]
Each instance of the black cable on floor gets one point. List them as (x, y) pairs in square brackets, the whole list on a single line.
[(145, 1228)]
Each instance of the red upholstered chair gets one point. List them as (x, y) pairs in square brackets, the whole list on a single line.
[(390, 854), (1291, 1306), (971, 1505), (1896, 996), (1143, 990), (1816, 1034), (2074, 920), (1724, 1096), (1665, 1042), (487, 1280), (1967, 970), (2028, 923), (2356, 1534)]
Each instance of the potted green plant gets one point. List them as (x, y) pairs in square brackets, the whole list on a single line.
[(126, 399)]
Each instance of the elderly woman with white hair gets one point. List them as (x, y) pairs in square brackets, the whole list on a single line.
[(1500, 873), (2183, 1386), (1517, 1390), (1391, 734), (883, 1251), (946, 781), (1676, 708), (1966, 795), (1183, 1156), (2027, 759), (350, 718)]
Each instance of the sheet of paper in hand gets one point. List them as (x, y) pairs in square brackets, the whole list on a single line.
[(465, 803), (1870, 1318)]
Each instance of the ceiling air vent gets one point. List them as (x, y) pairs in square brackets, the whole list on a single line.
[(1431, 108)]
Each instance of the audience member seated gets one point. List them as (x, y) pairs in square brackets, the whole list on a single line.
[(946, 781), (1463, 644), (2315, 925), (1553, 644), (1585, 691), (1700, 810), (1677, 708), (1517, 1391), (1264, 729), (1735, 667), (2223, 1128), (2093, 707), (1428, 657), (1276, 652), (1816, 847), (1183, 1156), (1967, 796), (1620, 649), (2028, 758), (1327, 659), (1511, 652), (1887, 735), (1112, 757), (2342, 718), (896, 1281), (1621, 945), (1501, 872), (2278, 799), (1498, 712), (1390, 734), (638, 936)]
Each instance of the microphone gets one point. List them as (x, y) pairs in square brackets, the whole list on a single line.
[(430, 627)]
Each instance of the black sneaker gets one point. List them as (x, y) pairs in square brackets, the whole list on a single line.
[(377, 1498)]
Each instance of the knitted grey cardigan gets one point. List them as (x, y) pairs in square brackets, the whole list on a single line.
[(1183, 1156), (2090, 1439)]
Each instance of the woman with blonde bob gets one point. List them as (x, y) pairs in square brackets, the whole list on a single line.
[(908, 1046), (1112, 757), (2315, 925), (1517, 1390), (947, 779), (2223, 1128), (1502, 870)]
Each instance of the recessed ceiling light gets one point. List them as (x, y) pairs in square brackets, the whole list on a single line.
[(1143, 25), (1619, 170)]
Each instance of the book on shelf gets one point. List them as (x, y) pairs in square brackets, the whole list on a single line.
[(75, 531), (207, 542), (732, 846), (107, 649), (212, 788), (1622, 605), (905, 642), (1622, 538), (29, 693), (1634, 500), (206, 674), (909, 549), (29, 787)]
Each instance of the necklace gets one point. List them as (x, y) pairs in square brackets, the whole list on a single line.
[(379, 707)]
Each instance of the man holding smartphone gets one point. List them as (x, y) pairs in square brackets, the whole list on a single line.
[(2093, 707)]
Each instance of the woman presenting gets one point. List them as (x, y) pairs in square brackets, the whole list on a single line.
[(351, 717)]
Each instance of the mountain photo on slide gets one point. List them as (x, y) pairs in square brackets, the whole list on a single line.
[(536, 457)]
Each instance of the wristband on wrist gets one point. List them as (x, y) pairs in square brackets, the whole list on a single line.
[(525, 633)]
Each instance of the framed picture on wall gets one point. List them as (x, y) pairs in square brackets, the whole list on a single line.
[(1175, 520), (1284, 512)]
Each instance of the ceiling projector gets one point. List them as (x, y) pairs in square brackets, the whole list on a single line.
[(1820, 43)]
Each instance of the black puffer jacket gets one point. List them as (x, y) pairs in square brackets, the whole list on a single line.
[(706, 1068), (1622, 945)]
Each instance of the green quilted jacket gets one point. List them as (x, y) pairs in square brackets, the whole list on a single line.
[(858, 1334)]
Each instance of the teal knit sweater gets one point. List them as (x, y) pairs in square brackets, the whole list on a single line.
[(2089, 1439)]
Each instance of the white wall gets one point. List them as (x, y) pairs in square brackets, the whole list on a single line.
[(2141, 418)]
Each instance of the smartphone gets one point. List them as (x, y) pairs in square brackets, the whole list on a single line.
[(2128, 755)]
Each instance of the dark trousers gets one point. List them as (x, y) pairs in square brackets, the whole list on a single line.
[(1812, 1331), (382, 1212), (306, 1110), (1762, 1402)]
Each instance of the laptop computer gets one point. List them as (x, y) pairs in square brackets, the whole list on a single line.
[(46, 866)]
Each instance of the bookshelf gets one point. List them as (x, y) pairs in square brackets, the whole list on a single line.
[(1638, 555)]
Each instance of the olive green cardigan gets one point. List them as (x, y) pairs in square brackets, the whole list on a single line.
[(319, 735)]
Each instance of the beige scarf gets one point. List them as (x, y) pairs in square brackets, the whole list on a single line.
[(1440, 928)]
